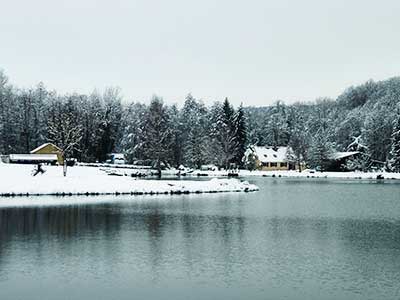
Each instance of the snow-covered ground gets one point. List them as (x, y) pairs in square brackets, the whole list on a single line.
[(245, 173), (17, 180)]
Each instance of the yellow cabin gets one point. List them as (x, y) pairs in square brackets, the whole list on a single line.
[(272, 158), (50, 148)]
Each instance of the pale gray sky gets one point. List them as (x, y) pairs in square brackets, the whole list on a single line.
[(255, 51)]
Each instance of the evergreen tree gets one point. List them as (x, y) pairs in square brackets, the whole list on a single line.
[(176, 136), (223, 134), (241, 135)]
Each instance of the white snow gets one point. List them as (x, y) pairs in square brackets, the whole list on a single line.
[(17, 179), (42, 146), (340, 155), (291, 173), (33, 157), (304, 174), (269, 154)]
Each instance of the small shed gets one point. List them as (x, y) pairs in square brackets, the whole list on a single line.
[(338, 160), (49, 148), (33, 158)]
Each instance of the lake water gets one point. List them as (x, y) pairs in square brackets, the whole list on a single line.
[(294, 239)]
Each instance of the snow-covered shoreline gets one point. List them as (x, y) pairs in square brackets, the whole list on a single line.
[(16, 180), (296, 174), (129, 170)]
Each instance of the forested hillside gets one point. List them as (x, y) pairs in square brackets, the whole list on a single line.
[(364, 118)]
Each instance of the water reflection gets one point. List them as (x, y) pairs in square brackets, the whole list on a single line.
[(234, 246)]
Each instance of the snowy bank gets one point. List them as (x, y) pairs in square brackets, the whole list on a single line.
[(296, 174), (307, 174), (17, 180)]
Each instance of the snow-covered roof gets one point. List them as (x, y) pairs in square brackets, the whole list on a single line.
[(340, 155), (33, 157), (42, 146), (118, 155), (267, 154)]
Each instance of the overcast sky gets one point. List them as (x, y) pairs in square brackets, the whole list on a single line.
[(255, 51)]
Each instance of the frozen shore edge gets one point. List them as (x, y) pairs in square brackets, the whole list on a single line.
[(132, 193), (107, 185)]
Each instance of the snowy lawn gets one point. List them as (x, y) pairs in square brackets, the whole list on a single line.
[(17, 180)]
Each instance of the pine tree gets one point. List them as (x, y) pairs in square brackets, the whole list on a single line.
[(395, 145), (223, 134), (241, 135), (176, 135)]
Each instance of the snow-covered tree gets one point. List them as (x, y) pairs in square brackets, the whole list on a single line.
[(157, 137), (300, 140), (377, 133), (133, 123), (176, 135), (395, 145), (250, 159), (91, 109), (361, 162), (240, 134), (109, 130), (9, 117), (194, 136), (299, 143), (64, 129), (321, 151), (222, 132), (276, 126)]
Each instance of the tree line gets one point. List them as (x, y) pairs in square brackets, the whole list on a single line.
[(88, 127), (364, 118)]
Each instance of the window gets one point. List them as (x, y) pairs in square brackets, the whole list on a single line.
[(264, 164), (284, 164), (274, 165)]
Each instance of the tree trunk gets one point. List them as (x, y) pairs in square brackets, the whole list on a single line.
[(158, 168), (65, 168)]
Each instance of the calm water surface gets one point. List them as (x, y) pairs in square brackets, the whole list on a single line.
[(294, 239)]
